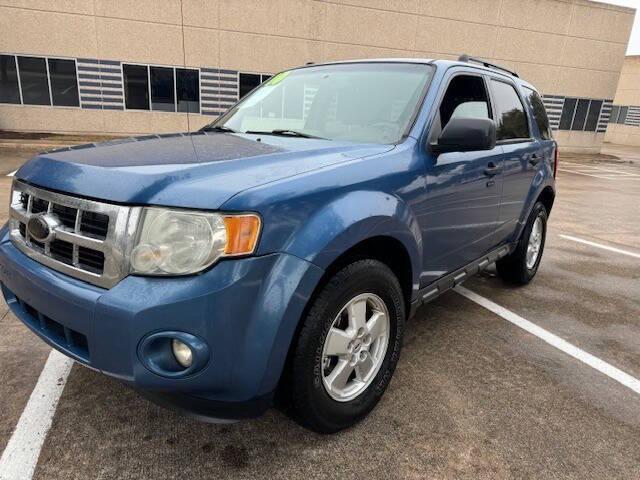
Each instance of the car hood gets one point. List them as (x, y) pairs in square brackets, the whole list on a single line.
[(194, 170)]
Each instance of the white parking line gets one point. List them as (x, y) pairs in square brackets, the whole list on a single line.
[(599, 172), (599, 245), (21, 454), (621, 172), (555, 341), (12, 173), (580, 173)]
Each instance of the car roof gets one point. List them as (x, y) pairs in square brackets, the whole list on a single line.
[(441, 63)]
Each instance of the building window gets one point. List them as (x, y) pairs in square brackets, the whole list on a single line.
[(136, 87), (188, 90), (33, 80), (9, 90), (172, 89), (249, 81), (64, 84), (615, 110), (622, 116), (568, 110), (594, 115), (511, 119), (162, 89), (581, 114)]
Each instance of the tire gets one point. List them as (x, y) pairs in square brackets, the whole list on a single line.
[(326, 409), (514, 268)]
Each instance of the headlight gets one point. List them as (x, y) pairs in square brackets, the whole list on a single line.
[(176, 242)]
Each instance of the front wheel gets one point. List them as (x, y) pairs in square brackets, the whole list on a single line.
[(521, 265), (348, 347)]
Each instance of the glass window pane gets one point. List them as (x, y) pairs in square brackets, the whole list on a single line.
[(9, 92), (64, 85), (568, 110), (162, 89), (614, 114), (33, 79), (581, 114), (363, 102), (136, 87), (510, 116), (539, 113), (248, 81), (593, 116), (188, 90), (622, 117), (466, 97)]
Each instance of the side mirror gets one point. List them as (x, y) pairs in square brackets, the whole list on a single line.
[(466, 135)]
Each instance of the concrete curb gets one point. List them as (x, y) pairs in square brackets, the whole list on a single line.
[(44, 146)]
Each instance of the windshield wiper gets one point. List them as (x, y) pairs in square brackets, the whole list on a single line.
[(218, 128), (284, 132)]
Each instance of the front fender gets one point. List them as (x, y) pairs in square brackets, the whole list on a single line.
[(351, 219)]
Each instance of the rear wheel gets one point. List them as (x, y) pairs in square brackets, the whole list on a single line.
[(348, 347), (521, 265)]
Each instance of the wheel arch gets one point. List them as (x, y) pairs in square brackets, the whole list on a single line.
[(547, 196), (386, 249), (357, 221)]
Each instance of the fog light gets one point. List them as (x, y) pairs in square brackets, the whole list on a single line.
[(182, 352)]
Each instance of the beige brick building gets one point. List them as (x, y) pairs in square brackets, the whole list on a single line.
[(172, 65), (624, 124)]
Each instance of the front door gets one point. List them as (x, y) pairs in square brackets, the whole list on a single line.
[(458, 219)]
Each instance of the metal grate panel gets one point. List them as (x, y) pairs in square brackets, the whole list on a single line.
[(89, 240)]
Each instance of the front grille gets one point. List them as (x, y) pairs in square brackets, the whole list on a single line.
[(90, 259), (66, 215), (94, 225), (62, 251), (67, 338), (89, 239)]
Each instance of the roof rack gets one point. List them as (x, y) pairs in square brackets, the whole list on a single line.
[(467, 59)]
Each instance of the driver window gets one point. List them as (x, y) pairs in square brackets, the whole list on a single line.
[(466, 97)]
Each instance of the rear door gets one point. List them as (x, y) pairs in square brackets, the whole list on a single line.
[(522, 154)]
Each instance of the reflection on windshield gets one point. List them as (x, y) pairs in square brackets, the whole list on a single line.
[(358, 102)]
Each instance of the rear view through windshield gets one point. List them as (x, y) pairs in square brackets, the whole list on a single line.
[(359, 102)]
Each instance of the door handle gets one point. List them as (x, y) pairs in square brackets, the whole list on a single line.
[(492, 170), (534, 159)]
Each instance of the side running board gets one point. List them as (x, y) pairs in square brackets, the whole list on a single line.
[(450, 280)]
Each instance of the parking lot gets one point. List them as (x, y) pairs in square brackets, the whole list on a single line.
[(502, 382)]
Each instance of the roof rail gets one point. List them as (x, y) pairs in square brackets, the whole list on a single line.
[(467, 59)]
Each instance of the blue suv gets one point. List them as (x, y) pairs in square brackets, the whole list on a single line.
[(276, 254)]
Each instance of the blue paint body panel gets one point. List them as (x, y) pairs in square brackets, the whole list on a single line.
[(317, 199), (245, 310)]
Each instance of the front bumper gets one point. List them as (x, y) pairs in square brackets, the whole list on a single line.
[(246, 310)]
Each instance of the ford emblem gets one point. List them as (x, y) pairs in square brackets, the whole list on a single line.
[(40, 228)]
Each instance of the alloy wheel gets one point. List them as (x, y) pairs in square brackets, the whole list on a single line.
[(355, 347)]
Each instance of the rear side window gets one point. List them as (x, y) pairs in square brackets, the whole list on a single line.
[(539, 113), (510, 117)]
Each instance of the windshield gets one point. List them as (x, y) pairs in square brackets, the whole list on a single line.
[(357, 102)]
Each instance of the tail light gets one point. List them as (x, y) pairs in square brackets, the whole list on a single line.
[(555, 163)]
